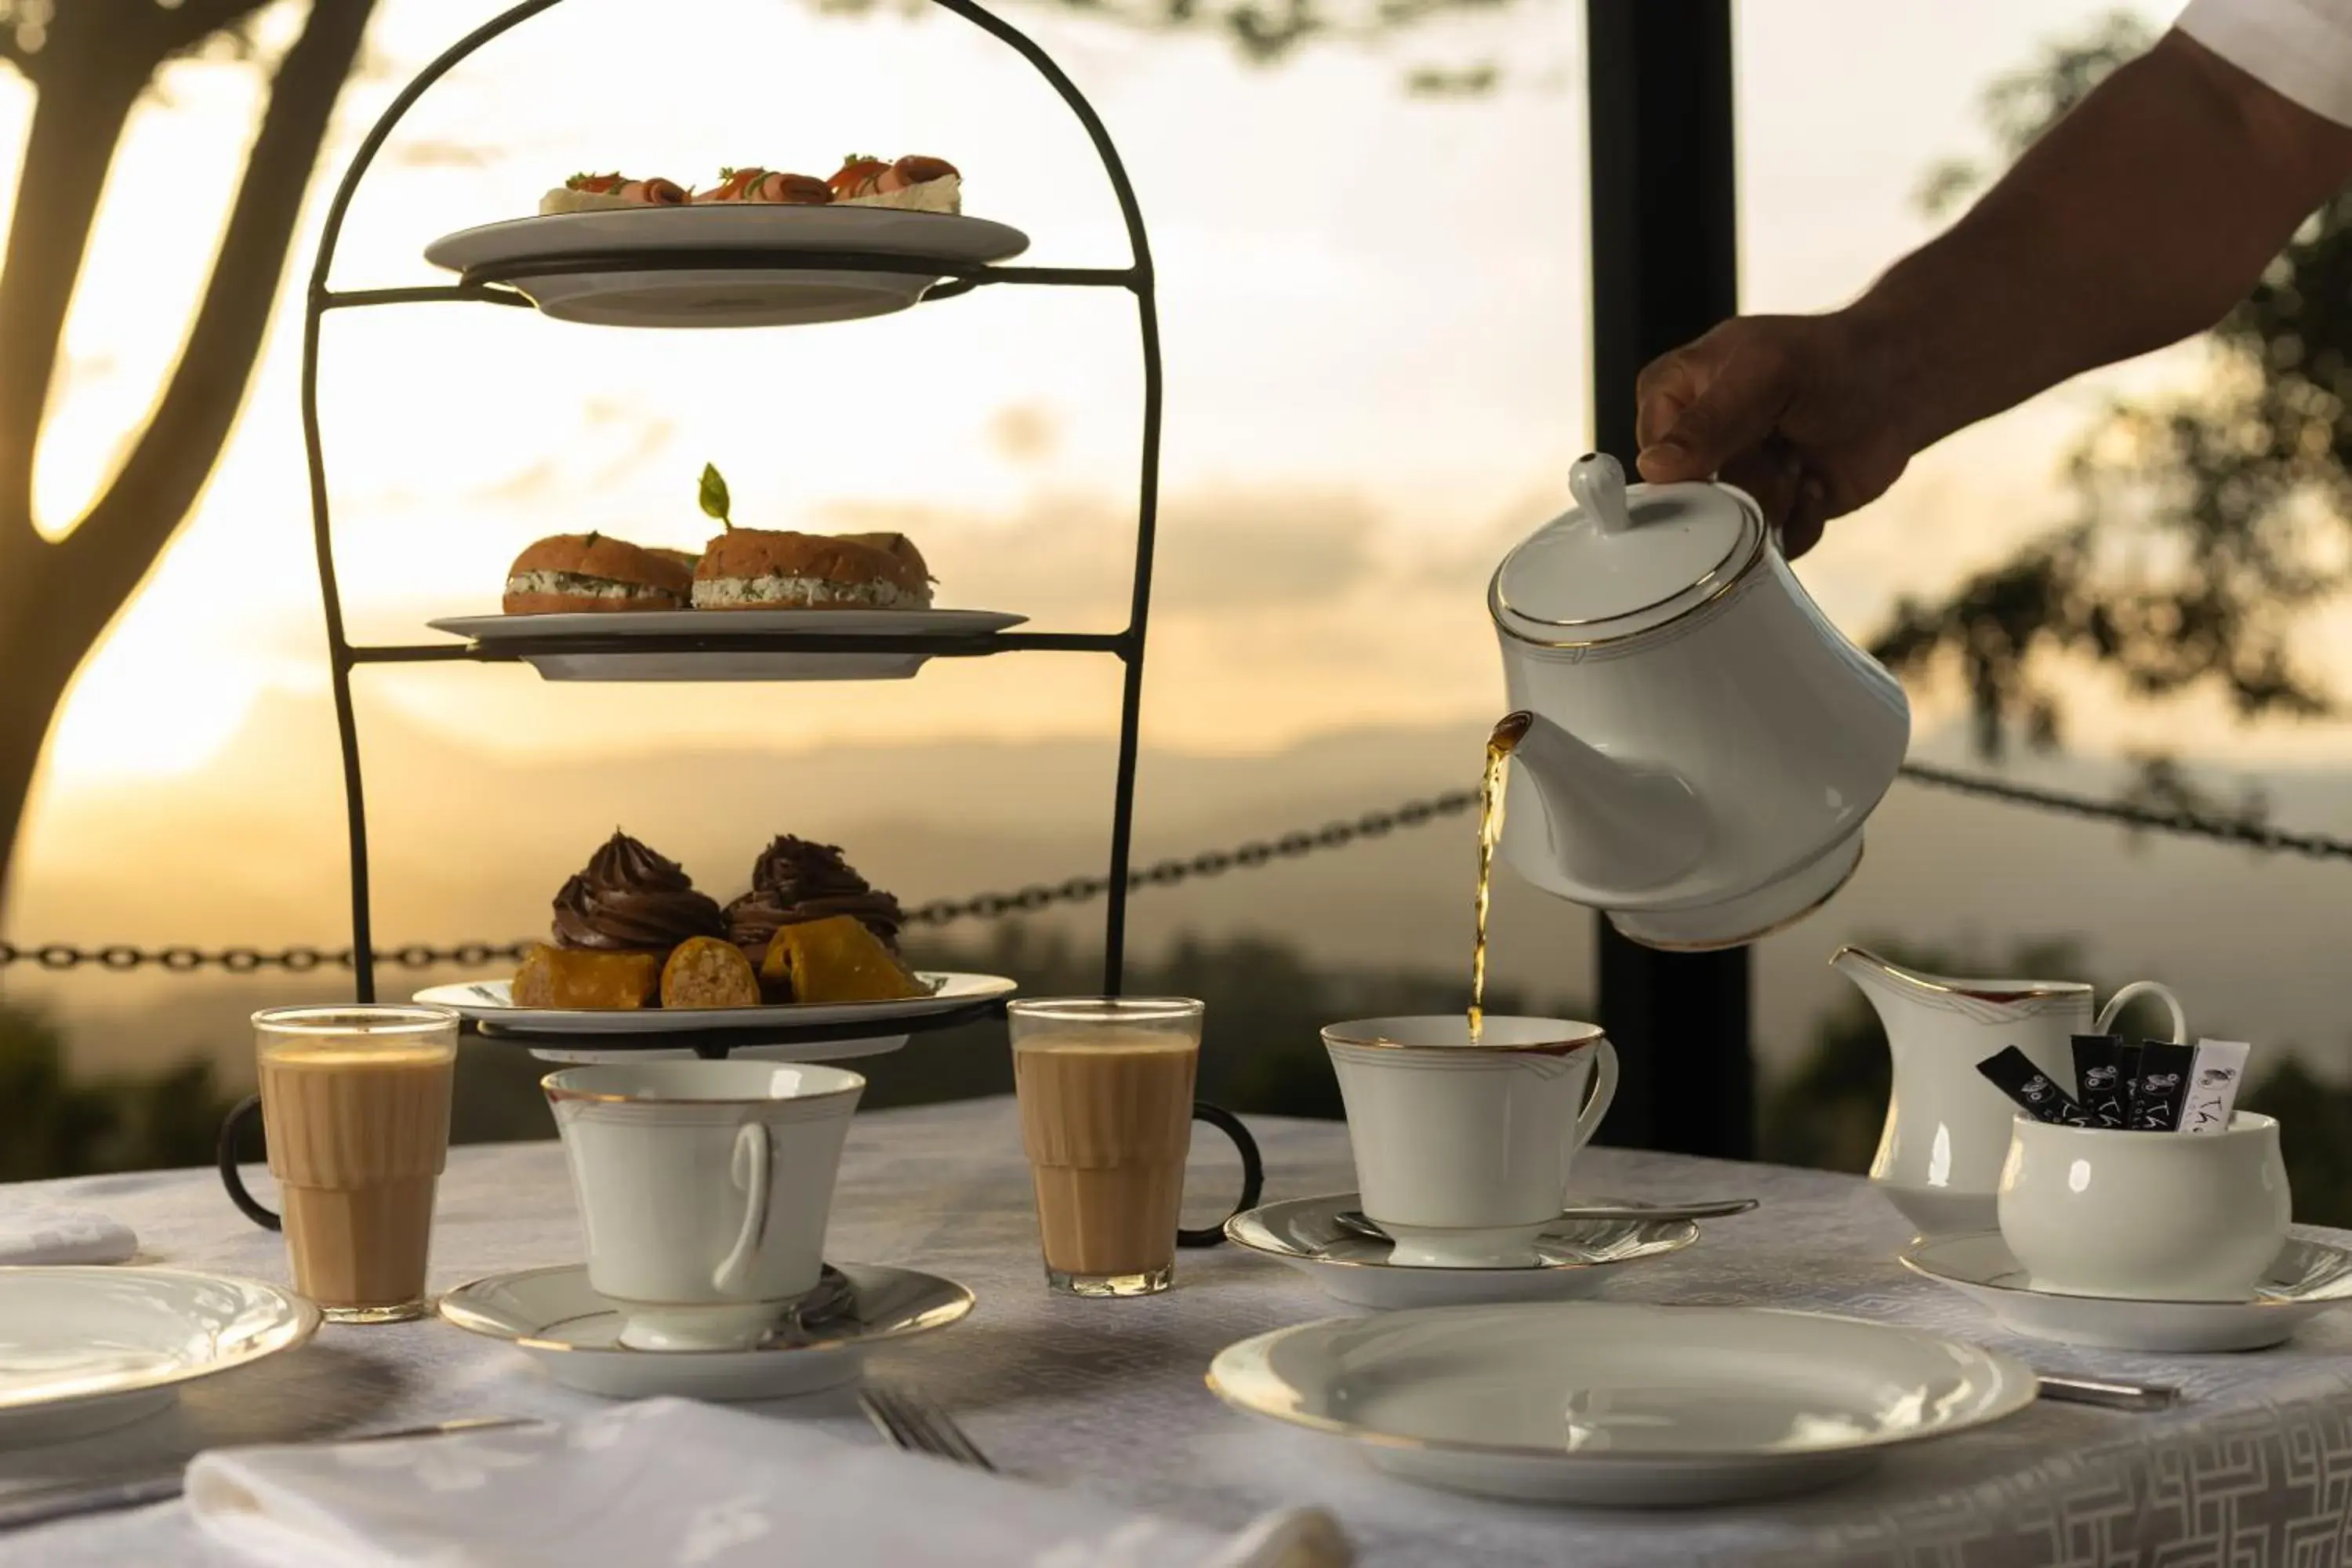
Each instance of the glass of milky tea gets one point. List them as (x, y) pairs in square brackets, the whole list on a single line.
[(1106, 1112), (354, 1107)]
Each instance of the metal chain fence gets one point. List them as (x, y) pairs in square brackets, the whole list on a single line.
[(1167, 873)]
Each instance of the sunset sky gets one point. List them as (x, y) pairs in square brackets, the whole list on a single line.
[(1374, 305), (1376, 316)]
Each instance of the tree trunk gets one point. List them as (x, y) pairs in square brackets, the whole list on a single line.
[(57, 597), (35, 666)]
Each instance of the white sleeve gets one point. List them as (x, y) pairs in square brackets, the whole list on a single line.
[(2300, 48)]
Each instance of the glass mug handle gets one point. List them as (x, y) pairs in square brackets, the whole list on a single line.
[(232, 1129), (1252, 1171)]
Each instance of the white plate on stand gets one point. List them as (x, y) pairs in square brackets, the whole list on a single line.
[(726, 296), (555, 1317), (1614, 1404), (2307, 1278), (1576, 1256), (490, 1005), (606, 662), (84, 1348)]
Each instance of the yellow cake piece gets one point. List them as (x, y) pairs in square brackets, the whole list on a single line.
[(708, 971), (577, 978), (836, 959)]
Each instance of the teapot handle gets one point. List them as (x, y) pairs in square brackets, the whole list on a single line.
[(2114, 1009)]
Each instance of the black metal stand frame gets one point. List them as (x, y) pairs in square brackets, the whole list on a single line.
[(486, 285)]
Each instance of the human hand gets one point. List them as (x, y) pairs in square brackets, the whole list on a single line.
[(1798, 411)]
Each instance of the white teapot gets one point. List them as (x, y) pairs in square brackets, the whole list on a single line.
[(1701, 745)]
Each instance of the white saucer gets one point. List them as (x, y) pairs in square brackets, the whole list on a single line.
[(668, 296), (555, 1317), (2307, 1278), (1618, 1406), (591, 646), (85, 1349), (1576, 1254), (490, 1003)]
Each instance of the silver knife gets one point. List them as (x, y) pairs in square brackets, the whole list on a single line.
[(2112, 1396), (68, 1500)]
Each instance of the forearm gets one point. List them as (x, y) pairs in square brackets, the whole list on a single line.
[(2136, 221)]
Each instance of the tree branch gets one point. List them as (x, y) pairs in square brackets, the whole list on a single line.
[(89, 85), (191, 22), (121, 535)]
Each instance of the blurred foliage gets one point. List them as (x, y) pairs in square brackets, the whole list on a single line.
[(2207, 523), (1268, 32), (52, 1124)]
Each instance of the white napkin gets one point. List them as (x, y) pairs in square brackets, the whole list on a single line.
[(669, 1481), (36, 1233)]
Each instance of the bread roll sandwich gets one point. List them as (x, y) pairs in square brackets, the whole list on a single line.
[(768, 186), (594, 572), (599, 192), (912, 184), (761, 569), (769, 569)]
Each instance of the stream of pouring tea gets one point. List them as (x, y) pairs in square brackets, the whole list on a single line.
[(1491, 790)]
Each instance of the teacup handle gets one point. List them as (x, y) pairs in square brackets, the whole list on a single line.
[(2114, 1009), (1604, 1090), (749, 1171)]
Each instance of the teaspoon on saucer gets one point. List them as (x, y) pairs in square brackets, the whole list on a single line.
[(1354, 1219)]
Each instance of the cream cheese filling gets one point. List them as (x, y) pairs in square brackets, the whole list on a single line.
[(584, 586), (732, 593), (944, 195), (565, 199)]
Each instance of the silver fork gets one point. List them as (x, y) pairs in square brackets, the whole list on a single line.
[(912, 1421)]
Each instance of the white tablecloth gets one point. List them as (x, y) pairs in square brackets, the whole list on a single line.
[(2255, 1467)]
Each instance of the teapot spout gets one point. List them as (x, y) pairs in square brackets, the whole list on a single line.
[(1616, 827)]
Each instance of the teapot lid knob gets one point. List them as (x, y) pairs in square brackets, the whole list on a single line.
[(1598, 482)]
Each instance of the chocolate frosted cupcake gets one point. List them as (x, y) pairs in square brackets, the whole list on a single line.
[(796, 882), (632, 899)]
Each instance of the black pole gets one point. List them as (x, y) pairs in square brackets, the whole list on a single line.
[(1665, 267)]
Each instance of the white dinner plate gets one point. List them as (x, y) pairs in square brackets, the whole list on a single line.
[(848, 662), (2307, 1278), (83, 1349), (490, 1003), (556, 1318), (1575, 1256), (725, 297), (1612, 1405)]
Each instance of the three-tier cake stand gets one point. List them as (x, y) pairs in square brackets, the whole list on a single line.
[(497, 284)]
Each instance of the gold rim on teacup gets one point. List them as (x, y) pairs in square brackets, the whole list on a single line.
[(1336, 1034), (553, 1090)]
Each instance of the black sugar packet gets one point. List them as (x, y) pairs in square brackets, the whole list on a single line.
[(2013, 1072), (2104, 1070), (2159, 1086)]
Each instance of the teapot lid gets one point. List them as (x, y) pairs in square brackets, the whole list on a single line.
[(1623, 559)]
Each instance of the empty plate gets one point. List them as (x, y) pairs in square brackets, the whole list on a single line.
[(576, 266), (83, 1349), (1575, 1256), (2307, 1278), (1620, 1405), (556, 1318)]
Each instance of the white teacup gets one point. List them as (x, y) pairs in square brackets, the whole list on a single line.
[(1463, 1151), (704, 1187), (2146, 1216)]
